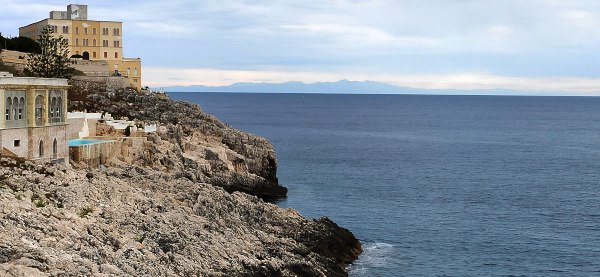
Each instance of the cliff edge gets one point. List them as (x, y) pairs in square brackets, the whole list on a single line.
[(186, 205), (191, 143), (132, 221)]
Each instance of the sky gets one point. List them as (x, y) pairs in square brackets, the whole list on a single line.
[(526, 45)]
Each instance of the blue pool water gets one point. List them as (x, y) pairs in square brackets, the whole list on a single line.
[(79, 142), (439, 185)]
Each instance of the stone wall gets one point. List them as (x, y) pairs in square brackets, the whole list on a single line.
[(16, 59), (92, 155), (92, 83), (92, 68), (48, 135), (9, 136)]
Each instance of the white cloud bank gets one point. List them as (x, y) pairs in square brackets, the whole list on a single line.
[(162, 77)]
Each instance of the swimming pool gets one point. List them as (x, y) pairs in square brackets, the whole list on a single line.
[(79, 142)]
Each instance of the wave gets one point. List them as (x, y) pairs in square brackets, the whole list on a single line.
[(375, 255)]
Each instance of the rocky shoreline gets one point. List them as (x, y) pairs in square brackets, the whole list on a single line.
[(188, 205)]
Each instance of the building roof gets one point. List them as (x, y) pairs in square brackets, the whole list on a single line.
[(8, 79)]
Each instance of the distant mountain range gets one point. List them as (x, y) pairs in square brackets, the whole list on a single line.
[(340, 87)]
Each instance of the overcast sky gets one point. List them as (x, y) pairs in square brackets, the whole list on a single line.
[(548, 45)]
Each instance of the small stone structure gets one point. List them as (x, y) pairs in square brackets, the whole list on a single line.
[(93, 154), (34, 122), (106, 137)]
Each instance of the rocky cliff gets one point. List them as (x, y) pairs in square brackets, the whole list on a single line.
[(134, 221), (191, 143), (181, 207)]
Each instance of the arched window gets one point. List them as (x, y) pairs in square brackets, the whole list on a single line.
[(8, 107), (54, 149), (41, 149), (135, 72), (52, 104), (21, 107), (15, 107), (59, 111), (39, 106)]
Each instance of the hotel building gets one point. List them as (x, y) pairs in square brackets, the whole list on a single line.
[(93, 40)]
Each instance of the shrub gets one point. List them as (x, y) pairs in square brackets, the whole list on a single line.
[(84, 212)]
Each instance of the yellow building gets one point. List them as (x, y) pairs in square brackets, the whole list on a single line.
[(34, 125), (93, 40)]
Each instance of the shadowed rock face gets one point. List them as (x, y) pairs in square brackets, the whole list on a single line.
[(191, 143), (142, 222)]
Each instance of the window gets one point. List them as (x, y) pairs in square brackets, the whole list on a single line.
[(85, 30), (94, 42), (135, 72), (128, 71), (21, 107), (105, 31), (17, 143), (105, 55), (94, 55), (59, 110), (41, 149), (65, 29), (8, 107), (52, 103), (94, 31), (116, 55), (15, 107), (105, 43), (76, 30), (38, 106), (76, 42), (135, 80)]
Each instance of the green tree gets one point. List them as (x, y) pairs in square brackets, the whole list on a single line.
[(53, 60)]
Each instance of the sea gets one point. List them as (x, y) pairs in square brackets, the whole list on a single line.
[(438, 185)]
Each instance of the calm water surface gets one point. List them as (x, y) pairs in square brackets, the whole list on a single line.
[(439, 185)]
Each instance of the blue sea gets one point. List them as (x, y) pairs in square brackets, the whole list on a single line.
[(439, 185)]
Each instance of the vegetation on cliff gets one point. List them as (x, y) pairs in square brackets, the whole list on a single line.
[(53, 59), (22, 44)]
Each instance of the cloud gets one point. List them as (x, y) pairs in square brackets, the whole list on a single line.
[(549, 39), (161, 77)]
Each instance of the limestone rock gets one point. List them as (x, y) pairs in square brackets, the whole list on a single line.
[(137, 221), (189, 142)]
